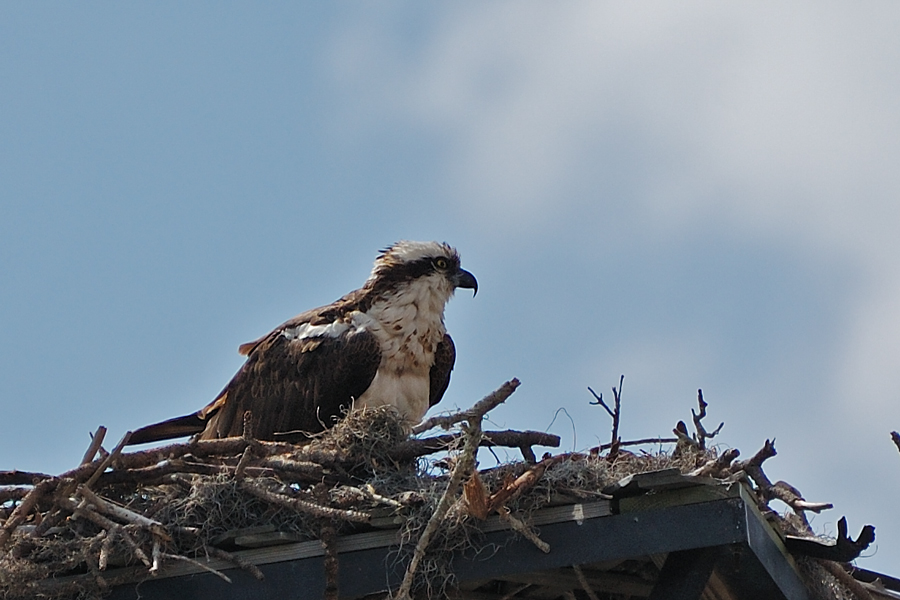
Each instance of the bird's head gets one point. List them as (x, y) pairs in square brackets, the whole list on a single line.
[(406, 262)]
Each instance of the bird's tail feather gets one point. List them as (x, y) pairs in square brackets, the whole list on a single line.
[(166, 430)]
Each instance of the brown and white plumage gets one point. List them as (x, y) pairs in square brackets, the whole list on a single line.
[(384, 343)]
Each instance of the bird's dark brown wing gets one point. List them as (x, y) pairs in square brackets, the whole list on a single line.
[(315, 316), (296, 384), (287, 384), (439, 376)]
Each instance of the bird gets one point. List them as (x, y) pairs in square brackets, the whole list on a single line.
[(383, 344)]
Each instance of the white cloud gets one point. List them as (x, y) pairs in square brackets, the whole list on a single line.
[(869, 394), (777, 118), (769, 122)]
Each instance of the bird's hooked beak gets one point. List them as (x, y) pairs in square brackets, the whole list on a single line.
[(464, 279)]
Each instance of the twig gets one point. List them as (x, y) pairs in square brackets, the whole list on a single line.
[(155, 557), (250, 450), (764, 453), (328, 537), (52, 519), (523, 482), (159, 472), (781, 490), (301, 505), (237, 560), (464, 465), (516, 591), (22, 477), (96, 443), (847, 580), (138, 551), (283, 464), (83, 510), (93, 568), (600, 402), (527, 454), (702, 434), (656, 440), (585, 585), (122, 513), (13, 493), (717, 467), (523, 529), (104, 549), (615, 413), (414, 448), (191, 561), (106, 462), (247, 433), (246, 457), (368, 492), (475, 496), (21, 512), (152, 457), (792, 497), (480, 408), (684, 438)]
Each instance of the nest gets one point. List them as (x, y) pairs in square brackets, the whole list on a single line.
[(62, 536)]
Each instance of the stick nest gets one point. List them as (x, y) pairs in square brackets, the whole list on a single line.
[(124, 517)]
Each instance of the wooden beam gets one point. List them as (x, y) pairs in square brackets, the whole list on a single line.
[(685, 574), (565, 579)]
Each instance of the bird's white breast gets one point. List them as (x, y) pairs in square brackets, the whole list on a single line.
[(408, 393), (409, 325)]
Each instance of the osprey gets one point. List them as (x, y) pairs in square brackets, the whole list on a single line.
[(383, 344)]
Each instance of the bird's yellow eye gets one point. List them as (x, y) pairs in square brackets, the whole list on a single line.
[(441, 263)]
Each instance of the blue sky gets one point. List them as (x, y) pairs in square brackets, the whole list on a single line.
[(695, 195)]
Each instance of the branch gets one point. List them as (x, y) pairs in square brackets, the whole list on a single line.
[(845, 578), (684, 438), (718, 467), (617, 397), (843, 550), (792, 497), (615, 413), (600, 402), (656, 440), (198, 564), (756, 461), (22, 477), (478, 411), (120, 512), (106, 462), (414, 448), (236, 560), (780, 490), (702, 434), (464, 465), (96, 443), (328, 537), (21, 512), (523, 482), (283, 464), (160, 471), (83, 510), (306, 506), (585, 585), (523, 529), (13, 493)]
